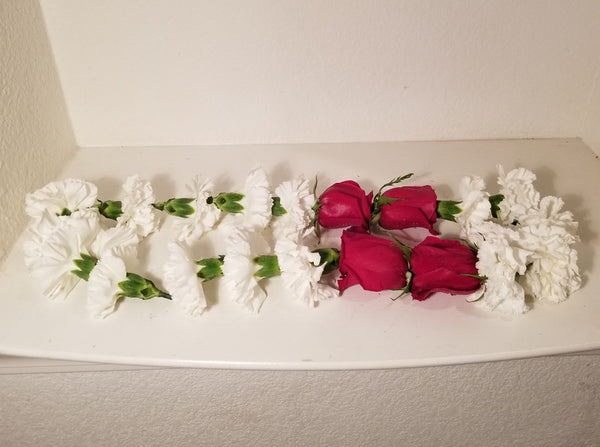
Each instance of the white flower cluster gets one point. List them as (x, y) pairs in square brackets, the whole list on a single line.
[(73, 235), (67, 232), (524, 246), (246, 235)]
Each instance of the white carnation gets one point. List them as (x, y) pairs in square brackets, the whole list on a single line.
[(205, 215), (554, 276), (520, 197), (103, 289), (475, 207), (500, 260), (181, 280), (50, 255), (120, 241), (257, 204), (238, 272), (69, 195), (300, 274), (138, 212), (295, 197)]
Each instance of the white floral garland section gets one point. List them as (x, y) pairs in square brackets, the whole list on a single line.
[(524, 247), (526, 251)]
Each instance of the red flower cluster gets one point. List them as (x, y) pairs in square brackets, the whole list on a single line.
[(377, 263)]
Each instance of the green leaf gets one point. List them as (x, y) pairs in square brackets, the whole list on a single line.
[(494, 202), (269, 266), (387, 200), (84, 265), (211, 268), (379, 200), (401, 246), (137, 287), (179, 207), (111, 209), (229, 202), (277, 209), (482, 278), (390, 183), (330, 257), (448, 209)]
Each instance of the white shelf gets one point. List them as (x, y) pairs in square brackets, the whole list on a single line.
[(358, 330)]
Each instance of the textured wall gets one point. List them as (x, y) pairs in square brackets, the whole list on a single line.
[(262, 71), (590, 131), (536, 402), (35, 133)]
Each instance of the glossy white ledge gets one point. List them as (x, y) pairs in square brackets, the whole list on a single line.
[(358, 330)]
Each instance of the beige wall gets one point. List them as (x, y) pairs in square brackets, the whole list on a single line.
[(286, 71), (534, 403), (35, 133)]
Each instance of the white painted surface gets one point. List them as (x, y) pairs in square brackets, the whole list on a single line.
[(35, 134), (198, 72), (358, 330)]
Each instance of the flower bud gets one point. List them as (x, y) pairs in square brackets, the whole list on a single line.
[(442, 265), (344, 204), (375, 263), (408, 207)]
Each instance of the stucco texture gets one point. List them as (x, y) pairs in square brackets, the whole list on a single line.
[(36, 139), (534, 402)]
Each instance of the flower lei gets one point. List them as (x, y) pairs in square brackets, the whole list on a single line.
[(515, 247)]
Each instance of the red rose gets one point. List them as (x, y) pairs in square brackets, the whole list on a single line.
[(345, 204), (415, 207), (440, 265), (374, 263)]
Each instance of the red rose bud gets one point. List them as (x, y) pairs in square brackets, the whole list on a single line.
[(343, 205), (441, 265), (415, 206), (374, 263)]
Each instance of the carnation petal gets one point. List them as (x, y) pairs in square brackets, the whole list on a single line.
[(68, 194), (238, 272), (103, 290), (138, 212), (205, 215), (181, 280)]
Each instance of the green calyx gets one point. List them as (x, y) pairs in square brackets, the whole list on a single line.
[(85, 265), (448, 209), (176, 207), (111, 209), (494, 202), (137, 287), (269, 266), (330, 257), (211, 268), (277, 209), (229, 202)]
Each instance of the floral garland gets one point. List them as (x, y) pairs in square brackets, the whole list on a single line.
[(515, 246)]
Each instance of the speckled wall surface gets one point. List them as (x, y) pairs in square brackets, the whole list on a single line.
[(536, 402), (35, 137)]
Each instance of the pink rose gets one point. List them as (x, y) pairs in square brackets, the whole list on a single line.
[(441, 265), (415, 207), (345, 204), (374, 263)]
